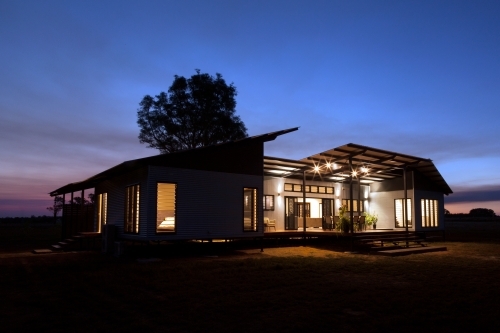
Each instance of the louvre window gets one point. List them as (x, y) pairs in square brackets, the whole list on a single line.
[(429, 213), (132, 209), (399, 213), (165, 207), (102, 210), (268, 202), (249, 209)]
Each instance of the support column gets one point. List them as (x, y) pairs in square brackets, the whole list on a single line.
[(359, 198), (304, 201), (82, 214), (351, 200), (405, 204)]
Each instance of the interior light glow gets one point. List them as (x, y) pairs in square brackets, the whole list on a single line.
[(328, 165), (316, 168)]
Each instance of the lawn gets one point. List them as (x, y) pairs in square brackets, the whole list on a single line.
[(313, 288)]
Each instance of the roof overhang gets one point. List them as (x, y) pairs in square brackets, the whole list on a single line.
[(365, 163), (165, 160)]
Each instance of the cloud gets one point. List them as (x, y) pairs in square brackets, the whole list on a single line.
[(474, 194)]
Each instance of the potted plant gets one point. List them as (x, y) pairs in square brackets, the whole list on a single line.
[(371, 219), (344, 222)]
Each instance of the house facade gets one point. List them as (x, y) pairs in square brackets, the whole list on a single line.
[(230, 190)]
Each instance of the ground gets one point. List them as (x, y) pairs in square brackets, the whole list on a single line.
[(315, 287)]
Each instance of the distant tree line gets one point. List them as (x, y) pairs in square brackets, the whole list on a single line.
[(31, 220), (475, 212)]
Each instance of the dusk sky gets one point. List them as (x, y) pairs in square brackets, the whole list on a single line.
[(416, 77)]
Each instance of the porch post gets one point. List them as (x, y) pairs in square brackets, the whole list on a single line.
[(304, 201), (351, 201), (359, 199), (405, 205), (82, 217), (72, 218), (63, 223)]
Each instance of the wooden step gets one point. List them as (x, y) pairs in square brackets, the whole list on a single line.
[(411, 250), (41, 251), (384, 248), (57, 247)]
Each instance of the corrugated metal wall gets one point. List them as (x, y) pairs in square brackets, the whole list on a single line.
[(115, 188), (208, 204), (419, 195)]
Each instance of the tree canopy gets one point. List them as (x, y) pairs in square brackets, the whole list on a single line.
[(481, 212), (195, 112)]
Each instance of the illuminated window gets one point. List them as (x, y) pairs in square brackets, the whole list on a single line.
[(165, 207), (132, 209), (347, 203), (249, 209), (268, 202), (429, 213), (297, 188), (399, 213), (102, 210), (288, 187)]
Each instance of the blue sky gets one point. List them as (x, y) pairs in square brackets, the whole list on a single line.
[(416, 77)]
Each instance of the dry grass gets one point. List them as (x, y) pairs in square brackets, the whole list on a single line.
[(313, 288)]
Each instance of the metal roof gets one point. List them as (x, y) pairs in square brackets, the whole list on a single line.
[(374, 165), (162, 159)]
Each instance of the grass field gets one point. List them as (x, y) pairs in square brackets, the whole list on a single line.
[(313, 288)]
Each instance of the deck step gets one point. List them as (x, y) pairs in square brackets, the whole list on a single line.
[(411, 250), (42, 251), (57, 247), (384, 248)]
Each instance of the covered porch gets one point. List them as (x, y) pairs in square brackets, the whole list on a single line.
[(336, 191)]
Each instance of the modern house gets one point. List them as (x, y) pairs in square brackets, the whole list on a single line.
[(227, 191)]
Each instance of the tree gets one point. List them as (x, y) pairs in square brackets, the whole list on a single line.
[(195, 112), (78, 200), (483, 212), (56, 207)]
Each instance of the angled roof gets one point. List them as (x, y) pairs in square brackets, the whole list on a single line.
[(333, 165), (185, 158)]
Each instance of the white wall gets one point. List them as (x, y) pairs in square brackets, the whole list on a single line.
[(275, 186), (382, 204)]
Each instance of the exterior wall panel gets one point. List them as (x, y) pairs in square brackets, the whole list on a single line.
[(209, 204), (382, 204), (115, 187), (418, 208)]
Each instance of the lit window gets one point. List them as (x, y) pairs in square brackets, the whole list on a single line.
[(429, 213), (268, 202), (165, 207), (249, 209), (132, 209), (399, 213), (102, 210)]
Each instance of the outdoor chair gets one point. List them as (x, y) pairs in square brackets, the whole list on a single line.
[(362, 224), (328, 224), (355, 223), (271, 224)]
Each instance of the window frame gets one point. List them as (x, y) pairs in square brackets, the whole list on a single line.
[(102, 211), (132, 209), (254, 226), (431, 219), (410, 215), (162, 232), (264, 202)]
